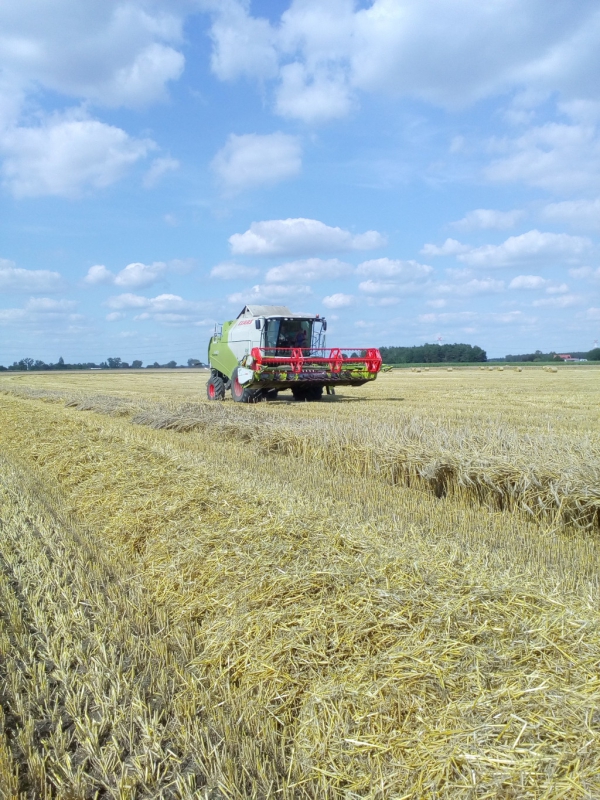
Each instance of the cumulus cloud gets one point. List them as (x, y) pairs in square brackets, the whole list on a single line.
[(561, 288), (158, 169), (98, 275), (242, 45), (272, 292), (507, 318), (472, 287), (584, 272), (15, 279), (312, 95), (400, 271), (67, 154), (133, 276), (555, 156), (578, 213), (564, 301), (281, 237), (229, 270), (489, 218), (531, 246), (451, 247), (309, 269), (111, 53), (528, 282), (322, 54), (169, 309), (252, 160), (338, 300), (40, 311)]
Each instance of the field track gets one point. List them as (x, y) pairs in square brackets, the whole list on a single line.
[(389, 597)]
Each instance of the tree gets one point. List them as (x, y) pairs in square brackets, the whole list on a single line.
[(433, 354), (61, 362), (27, 363), (172, 364), (114, 363), (594, 355), (193, 362), (136, 364)]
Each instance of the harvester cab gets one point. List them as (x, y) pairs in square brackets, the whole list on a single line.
[(268, 349)]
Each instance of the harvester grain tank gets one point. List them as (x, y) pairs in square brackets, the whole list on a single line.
[(268, 349)]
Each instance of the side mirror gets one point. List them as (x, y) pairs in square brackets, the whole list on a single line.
[(257, 324), (324, 325)]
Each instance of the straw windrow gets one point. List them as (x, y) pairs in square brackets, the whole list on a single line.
[(204, 616), (555, 479)]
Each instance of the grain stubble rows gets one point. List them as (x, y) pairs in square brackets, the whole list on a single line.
[(262, 625)]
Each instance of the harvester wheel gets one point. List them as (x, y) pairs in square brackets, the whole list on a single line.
[(308, 394), (271, 394), (241, 394), (215, 388)]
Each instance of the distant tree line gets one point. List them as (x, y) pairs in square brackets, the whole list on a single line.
[(591, 355), (432, 354), (29, 364)]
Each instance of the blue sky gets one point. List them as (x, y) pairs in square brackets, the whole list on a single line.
[(412, 169)]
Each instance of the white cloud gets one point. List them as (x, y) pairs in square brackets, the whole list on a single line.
[(159, 168), (40, 311), (139, 276), (578, 213), (391, 288), (472, 287), (449, 52), (584, 272), (128, 300), (593, 313), (279, 237), (564, 301), (560, 289), (168, 309), (439, 303), (531, 246), (527, 282), (338, 300), (115, 316), (251, 160), (112, 53), (397, 270), (486, 218), (309, 269), (272, 292), (451, 247), (508, 318), (98, 275), (66, 155), (229, 270), (16, 279), (556, 156), (133, 276), (242, 45), (312, 96)]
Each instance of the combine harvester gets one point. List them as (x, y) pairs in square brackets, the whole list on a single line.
[(268, 349)]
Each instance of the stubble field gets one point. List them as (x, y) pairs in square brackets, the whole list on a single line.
[(389, 594)]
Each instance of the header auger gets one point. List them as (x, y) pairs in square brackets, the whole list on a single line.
[(268, 349)]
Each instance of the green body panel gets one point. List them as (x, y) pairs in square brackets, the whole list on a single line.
[(220, 355)]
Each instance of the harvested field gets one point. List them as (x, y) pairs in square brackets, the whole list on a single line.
[(391, 594)]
